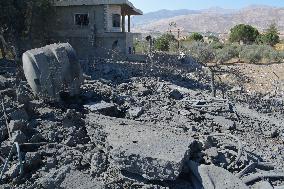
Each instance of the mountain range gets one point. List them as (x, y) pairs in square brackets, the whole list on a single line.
[(216, 19)]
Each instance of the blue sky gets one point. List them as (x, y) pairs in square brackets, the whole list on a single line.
[(154, 5)]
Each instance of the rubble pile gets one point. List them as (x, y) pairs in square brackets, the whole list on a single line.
[(139, 125)]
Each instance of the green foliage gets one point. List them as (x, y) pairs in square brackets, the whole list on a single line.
[(213, 38), (163, 43), (201, 52), (270, 37), (260, 53), (195, 37), (245, 33), (216, 45), (141, 46), (227, 53), (22, 17)]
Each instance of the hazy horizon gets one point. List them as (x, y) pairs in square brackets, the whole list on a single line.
[(148, 6)]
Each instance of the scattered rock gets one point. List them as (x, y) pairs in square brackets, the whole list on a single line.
[(135, 112), (225, 124), (99, 162), (176, 94), (102, 107), (14, 171)]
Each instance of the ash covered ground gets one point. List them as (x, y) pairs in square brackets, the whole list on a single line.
[(143, 125)]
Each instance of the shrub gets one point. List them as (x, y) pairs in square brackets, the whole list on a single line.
[(213, 38), (163, 43), (250, 54), (201, 52), (260, 53), (141, 46), (195, 37), (227, 53), (216, 45)]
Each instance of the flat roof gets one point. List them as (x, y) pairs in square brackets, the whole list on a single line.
[(127, 6)]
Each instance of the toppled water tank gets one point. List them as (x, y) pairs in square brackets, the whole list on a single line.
[(52, 70)]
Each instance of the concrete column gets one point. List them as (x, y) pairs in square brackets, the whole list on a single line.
[(123, 23), (129, 23)]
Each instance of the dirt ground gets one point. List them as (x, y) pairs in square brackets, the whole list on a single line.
[(256, 78)]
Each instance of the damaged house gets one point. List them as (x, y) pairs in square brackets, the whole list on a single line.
[(94, 27)]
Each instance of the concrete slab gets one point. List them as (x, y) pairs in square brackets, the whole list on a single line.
[(211, 177), (152, 152)]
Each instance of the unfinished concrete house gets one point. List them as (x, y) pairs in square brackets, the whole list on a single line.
[(95, 27)]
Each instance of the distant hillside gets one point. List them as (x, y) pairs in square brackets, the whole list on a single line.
[(214, 20)]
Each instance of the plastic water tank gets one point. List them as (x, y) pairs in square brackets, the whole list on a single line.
[(53, 69)]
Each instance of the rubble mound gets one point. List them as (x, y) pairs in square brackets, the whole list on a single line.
[(140, 125)]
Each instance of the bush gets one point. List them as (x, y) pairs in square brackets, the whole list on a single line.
[(201, 52), (213, 38), (163, 43), (141, 46), (195, 37), (227, 53), (216, 45), (260, 53)]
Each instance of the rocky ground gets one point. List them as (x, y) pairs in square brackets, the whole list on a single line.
[(142, 125)]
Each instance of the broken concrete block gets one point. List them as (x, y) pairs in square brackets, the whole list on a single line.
[(143, 91), (262, 185), (15, 125), (154, 153), (109, 109), (23, 95), (32, 160), (14, 171), (135, 112), (19, 136), (50, 163), (176, 94), (98, 162), (211, 177)]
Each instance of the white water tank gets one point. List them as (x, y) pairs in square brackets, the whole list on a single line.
[(53, 69)]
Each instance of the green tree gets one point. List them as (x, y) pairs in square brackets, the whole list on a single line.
[(195, 37), (243, 33), (270, 37), (163, 43), (21, 18)]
